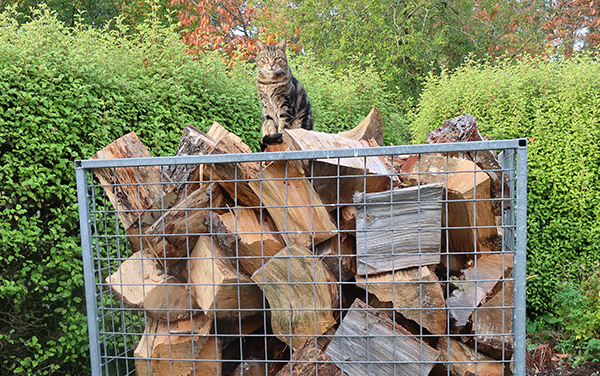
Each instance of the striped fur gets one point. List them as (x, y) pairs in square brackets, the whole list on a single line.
[(285, 104)]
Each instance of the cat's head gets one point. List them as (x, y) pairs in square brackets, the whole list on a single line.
[(271, 60)]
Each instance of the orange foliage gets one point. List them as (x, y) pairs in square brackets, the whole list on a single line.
[(217, 25)]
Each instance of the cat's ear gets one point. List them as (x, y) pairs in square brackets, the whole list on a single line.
[(261, 46), (281, 45)]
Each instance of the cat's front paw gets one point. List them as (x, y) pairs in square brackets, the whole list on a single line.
[(270, 139)]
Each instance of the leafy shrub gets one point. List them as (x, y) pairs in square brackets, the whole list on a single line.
[(66, 93), (578, 314), (556, 104)]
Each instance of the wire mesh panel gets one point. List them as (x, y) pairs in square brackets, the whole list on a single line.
[(404, 260)]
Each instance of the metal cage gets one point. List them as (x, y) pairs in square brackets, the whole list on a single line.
[(429, 285)]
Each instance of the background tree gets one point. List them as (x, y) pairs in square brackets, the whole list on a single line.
[(217, 25)]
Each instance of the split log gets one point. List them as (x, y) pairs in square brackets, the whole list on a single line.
[(304, 362), (464, 128), (220, 287), (416, 295), (493, 323), (461, 359), (217, 132), (171, 348), (174, 235), (336, 180), (367, 335), (370, 128), (398, 229), (133, 191), (295, 207), (347, 220), (469, 215), (302, 292), (233, 177), (339, 254), (249, 234), (476, 283), (141, 282), (192, 142)]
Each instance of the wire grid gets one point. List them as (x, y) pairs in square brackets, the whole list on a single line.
[(267, 316)]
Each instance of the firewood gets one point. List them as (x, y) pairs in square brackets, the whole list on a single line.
[(192, 142), (347, 220), (367, 335), (493, 323), (233, 177), (134, 190), (464, 128), (370, 128), (304, 362), (339, 254), (485, 369), (141, 282), (398, 229), (302, 292), (336, 180), (250, 234), (293, 204), (476, 283), (415, 293), (461, 359), (469, 215), (175, 233), (221, 287), (171, 348), (217, 132)]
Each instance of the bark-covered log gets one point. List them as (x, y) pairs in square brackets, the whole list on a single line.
[(134, 190), (173, 235)]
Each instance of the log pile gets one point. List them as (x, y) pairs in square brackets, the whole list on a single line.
[(384, 265)]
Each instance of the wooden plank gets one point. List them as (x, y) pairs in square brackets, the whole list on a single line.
[(398, 229), (220, 287), (174, 234), (134, 190), (416, 295), (293, 204), (302, 292), (369, 343), (475, 284), (305, 362)]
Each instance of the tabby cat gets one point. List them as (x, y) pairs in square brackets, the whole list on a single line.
[(284, 101)]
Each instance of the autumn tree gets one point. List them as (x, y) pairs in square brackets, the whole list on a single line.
[(573, 25), (217, 25)]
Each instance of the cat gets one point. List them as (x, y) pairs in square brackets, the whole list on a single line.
[(285, 104)]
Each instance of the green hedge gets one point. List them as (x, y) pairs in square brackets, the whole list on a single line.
[(66, 93), (556, 105)]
